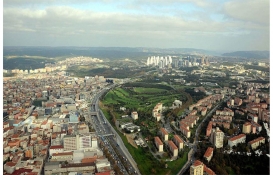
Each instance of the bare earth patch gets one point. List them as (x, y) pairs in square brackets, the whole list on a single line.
[(130, 140)]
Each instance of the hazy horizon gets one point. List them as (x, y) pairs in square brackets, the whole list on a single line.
[(215, 25)]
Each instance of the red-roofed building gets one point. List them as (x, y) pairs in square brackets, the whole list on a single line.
[(56, 149), (158, 144), (208, 154), (9, 167), (256, 142), (237, 139), (199, 168), (164, 134), (208, 171), (21, 171), (173, 148), (104, 173), (209, 128), (89, 160), (15, 142), (185, 131), (178, 141)]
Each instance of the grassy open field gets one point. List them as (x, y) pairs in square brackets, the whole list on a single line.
[(143, 99)]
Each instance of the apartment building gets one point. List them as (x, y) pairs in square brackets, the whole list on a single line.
[(164, 134), (158, 144), (70, 142), (208, 154), (237, 139), (178, 142), (173, 148), (197, 168), (217, 138), (256, 142), (56, 149), (209, 129), (246, 128)]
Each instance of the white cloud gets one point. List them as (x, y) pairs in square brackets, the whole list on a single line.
[(256, 11), (73, 26)]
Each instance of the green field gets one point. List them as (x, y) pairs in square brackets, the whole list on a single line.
[(148, 90), (143, 99)]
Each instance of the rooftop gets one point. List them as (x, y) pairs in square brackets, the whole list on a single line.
[(171, 144), (237, 137), (208, 152), (157, 139), (256, 140), (163, 131), (176, 137)]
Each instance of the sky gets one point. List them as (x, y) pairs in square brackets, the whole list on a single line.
[(216, 25)]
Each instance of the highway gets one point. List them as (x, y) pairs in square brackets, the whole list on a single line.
[(111, 138)]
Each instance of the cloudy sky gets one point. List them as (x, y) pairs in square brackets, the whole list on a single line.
[(203, 24)]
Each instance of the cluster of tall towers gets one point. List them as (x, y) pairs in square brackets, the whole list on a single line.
[(159, 61)]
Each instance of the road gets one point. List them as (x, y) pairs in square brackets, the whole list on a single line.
[(110, 137)]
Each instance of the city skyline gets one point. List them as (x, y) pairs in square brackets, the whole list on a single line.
[(210, 25)]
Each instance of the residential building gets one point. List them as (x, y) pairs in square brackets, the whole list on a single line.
[(164, 134), (217, 137), (208, 154), (134, 115), (176, 104), (209, 128), (256, 142), (246, 128), (204, 111), (159, 144), (84, 141), (197, 168), (56, 149), (236, 139), (173, 148), (185, 130), (70, 142), (178, 142)]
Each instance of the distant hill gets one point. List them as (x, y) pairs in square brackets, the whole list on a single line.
[(249, 54), (26, 57)]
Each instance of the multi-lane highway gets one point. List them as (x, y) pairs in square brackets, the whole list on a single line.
[(110, 138)]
